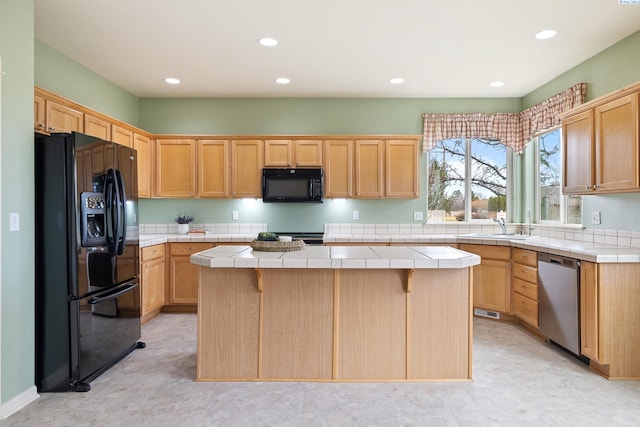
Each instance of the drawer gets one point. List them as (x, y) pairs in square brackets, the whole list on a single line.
[(488, 252), (527, 289), (526, 257), (525, 309), (525, 272), (151, 252), (188, 248)]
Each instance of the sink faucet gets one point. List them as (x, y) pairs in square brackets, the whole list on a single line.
[(529, 218), (502, 224)]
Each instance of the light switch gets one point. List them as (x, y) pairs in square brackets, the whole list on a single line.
[(418, 216), (14, 221), (356, 215), (235, 215)]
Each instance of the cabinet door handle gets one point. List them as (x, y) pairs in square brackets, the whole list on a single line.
[(52, 128)]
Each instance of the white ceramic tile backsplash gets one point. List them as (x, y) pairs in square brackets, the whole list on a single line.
[(572, 233)]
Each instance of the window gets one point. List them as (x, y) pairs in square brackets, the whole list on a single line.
[(467, 180), (552, 205)]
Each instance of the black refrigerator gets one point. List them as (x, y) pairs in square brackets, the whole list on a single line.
[(87, 296)]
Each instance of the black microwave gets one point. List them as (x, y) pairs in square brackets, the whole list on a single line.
[(292, 185)]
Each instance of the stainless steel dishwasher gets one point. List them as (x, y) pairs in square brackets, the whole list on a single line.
[(559, 300)]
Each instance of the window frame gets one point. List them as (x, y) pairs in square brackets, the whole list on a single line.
[(510, 194), (538, 194)]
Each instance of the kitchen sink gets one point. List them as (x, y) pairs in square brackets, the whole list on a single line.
[(508, 236)]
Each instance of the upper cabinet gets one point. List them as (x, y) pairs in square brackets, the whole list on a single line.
[(372, 168), (97, 127), (52, 117), (175, 168), (402, 169), (144, 149), (338, 168), (122, 136), (213, 168), (369, 168), (601, 147), (246, 168), (295, 153)]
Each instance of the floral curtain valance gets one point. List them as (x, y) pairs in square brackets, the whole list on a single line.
[(514, 130)]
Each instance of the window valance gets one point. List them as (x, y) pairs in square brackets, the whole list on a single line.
[(514, 130)]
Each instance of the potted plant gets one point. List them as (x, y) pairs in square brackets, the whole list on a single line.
[(183, 221)]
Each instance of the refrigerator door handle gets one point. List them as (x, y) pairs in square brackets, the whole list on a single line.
[(121, 213), (113, 294), (111, 232)]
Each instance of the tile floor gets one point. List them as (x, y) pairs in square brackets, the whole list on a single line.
[(518, 381)]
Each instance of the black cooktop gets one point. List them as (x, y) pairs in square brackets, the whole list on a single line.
[(306, 236)]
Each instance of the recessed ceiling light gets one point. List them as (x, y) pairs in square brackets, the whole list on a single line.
[(283, 81), (545, 34), (396, 80), (172, 81), (497, 83), (268, 41)]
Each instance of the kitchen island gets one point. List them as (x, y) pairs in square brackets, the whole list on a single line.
[(339, 313)]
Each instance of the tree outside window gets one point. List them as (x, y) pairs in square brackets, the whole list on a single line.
[(467, 180), (553, 206)]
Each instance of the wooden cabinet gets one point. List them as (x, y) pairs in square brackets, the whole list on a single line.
[(246, 168), (610, 319), (338, 168), (376, 168), (278, 153), (369, 168), (39, 114), (601, 146), (616, 130), (578, 146), (175, 168), (525, 286), (122, 136), (402, 169), (213, 168), (589, 313), (492, 277), (60, 118), (97, 127), (152, 280), (183, 276), (144, 151), (292, 153)]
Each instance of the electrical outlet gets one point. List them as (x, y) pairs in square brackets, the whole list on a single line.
[(235, 216), (356, 215), (418, 216), (14, 221), (595, 217)]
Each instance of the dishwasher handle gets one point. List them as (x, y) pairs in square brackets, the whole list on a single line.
[(559, 260)]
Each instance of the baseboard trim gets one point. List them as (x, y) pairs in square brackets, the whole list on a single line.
[(18, 402)]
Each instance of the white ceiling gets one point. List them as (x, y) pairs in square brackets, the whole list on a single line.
[(331, 48)]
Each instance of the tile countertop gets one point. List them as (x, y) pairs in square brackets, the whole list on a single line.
[(594, 252), (338, 257)]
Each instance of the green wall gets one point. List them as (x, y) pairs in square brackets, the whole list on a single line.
[(60, 75), (17, 294)]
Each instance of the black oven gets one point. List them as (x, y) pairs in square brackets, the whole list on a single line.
[(292, 185)]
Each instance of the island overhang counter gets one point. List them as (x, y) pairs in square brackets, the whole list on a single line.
[(338, 313)]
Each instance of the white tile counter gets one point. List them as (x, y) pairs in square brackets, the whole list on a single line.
[(338, 257)]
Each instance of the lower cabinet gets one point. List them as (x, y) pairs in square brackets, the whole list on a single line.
[(610, 319), (183, 276), (525, 286), (492, 277), (152, 280)]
